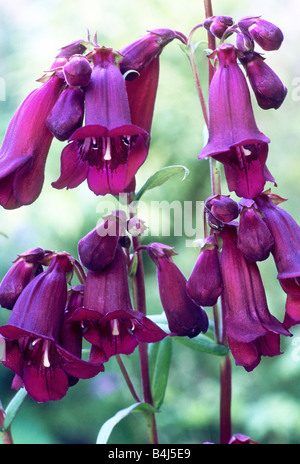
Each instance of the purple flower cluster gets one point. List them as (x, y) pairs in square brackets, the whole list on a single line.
[(247, 232), (234, 138), (50, 317), (99, 100)]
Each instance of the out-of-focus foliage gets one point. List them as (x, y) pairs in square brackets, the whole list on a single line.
[(266, 402)]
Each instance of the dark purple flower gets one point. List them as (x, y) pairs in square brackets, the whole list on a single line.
[(110, 324), (249, 354), (247, 317), (234, 138), (109, 149), (254, 238), (218, 25), (25, 268), (286, 249), (25, 147), (266, 85), (220, 209), (67, 114), (139, 54), (205, 284), (98, 248), (77, 71), (33, 335), (185, 318), (268, 36)]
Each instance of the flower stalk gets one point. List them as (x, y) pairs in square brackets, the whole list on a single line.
[(225, 367)]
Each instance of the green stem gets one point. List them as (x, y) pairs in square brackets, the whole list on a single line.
[(140, 305), (225, 367), (127, 379)]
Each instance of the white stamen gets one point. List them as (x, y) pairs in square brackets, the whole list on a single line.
[(46, 361), (107, 156), (247, 152), (35, 342), (132, 326), (94, 143), (115, 327)]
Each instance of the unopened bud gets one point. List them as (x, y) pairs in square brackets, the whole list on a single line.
[(78, 71), (218, 25), (267, 87), (67, 114), (268, 36)]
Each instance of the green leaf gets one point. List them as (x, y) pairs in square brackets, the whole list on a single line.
[(160, 177), (159, 363), (203, 344), (13, 407), (3, 234), (109, 425)]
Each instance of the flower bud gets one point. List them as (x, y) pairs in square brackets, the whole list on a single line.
[(140, 53), (185, 318), (220, 210), (218, 25), (254, 238), (136, 227), (67, 114), (268, 36), (24, 269), (205, 284), (244, 43), (78, 71), (97, 249), (267, 87)]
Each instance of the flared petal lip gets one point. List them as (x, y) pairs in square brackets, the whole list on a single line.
[(93, 130), (11, 332), (212, 148), (288, 275)]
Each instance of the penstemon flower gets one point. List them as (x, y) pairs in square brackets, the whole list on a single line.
[(34, 349), (110, 324), (234, 138)]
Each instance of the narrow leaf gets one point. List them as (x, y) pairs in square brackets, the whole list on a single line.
[(13, 407), (160, 177), (203, 344), (109, 425), (160, 370)]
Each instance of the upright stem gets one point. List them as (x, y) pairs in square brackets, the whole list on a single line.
[(140, 296), (225, 367)]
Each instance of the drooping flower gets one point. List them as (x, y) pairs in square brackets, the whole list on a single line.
[(32, 335), (205, 284), (98, 248), (254, 238), (234, 138), (67, 114), (267, 35), (269, 90), (109, 149), (220, 209), (218, 25), (26, 145), (25, 268), (110, 324), (250, 326), (286, 249), (185, 317)]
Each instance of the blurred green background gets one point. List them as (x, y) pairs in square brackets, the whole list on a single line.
[(266, 402)]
